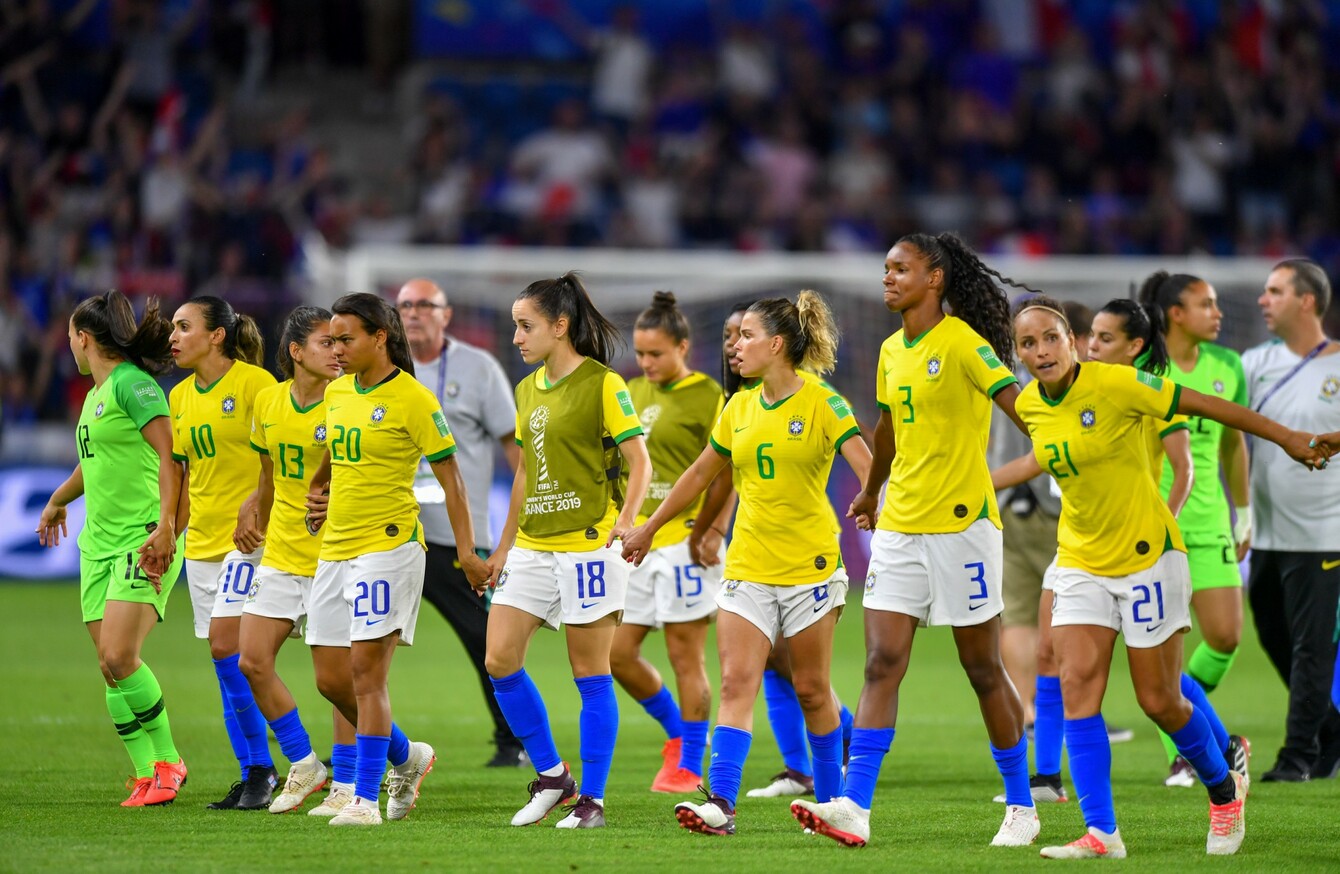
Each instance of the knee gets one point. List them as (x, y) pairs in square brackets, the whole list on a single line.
[(334, 689), (118, 663), (622, 658), (106, 671), (686, 661), (814, 693), (218, 651), (254, 668), (504, 664), (885, 666), (1223, 640), (1165, 707), (985, 676), (735, 686)]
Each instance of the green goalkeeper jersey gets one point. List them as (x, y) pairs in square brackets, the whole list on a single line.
[(120, 468), (1218, 372)]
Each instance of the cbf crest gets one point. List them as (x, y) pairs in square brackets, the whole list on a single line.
[(319, 435), (1088, 417), (229, 404), (796, 425), (97, 411), (933, 366), (378, 414)]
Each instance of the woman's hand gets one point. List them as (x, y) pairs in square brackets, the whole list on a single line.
[(51, 526)]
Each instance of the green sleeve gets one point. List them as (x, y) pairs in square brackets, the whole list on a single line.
[(141, 398)]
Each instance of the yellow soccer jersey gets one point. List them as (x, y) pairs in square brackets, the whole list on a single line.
[(621, 423), (295, 440), (937, 389), (375, 437), (782, 455), (1091, 440), (676, 420), (211, 431), (1154, 430)]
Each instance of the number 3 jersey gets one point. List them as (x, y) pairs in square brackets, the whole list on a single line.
[(375, 437), (1092, 441), (294, 439), (938, 389), (211, 429), (782, 454)]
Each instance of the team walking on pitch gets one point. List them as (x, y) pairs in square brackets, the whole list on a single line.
[(294, 509)]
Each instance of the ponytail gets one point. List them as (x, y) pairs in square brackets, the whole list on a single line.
[(110, 320), (971, 290), (1143, 321), (809, 333), (242, 340), (664, 315), (1163, 291), (589, 332), (297, 328), (377, 314)]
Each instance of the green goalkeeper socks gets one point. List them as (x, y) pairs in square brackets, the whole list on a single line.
[(1208, 667), (142, 692), (133, 735)]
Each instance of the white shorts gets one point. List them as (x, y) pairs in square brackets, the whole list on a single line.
[(940, 579), (1049, 576), (1147, 607), (366, 597), (280, 595), (787, 610), (220, 588), (670, 588), (575, 588)]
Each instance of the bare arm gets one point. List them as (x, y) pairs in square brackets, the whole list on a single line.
[(448, 474), (637, 543), (634, 451), (865, 506), (1016, 472), (1177, 446), (511, 451), (712, 521), (1299, 446), (254, 520), (51, 526), (508, 536), (161, 544), (1005, 399)]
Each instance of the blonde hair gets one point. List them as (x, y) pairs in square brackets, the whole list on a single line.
[(807, 328)]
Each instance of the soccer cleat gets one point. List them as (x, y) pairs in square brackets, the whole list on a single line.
[(710, 816), (1119, 735), (1228, 822), (1093, 845), (679, 781), (1020, 828), (340, 795), (168, 778), (585, 812), (840, 819), (1045, 788), (303, 782), (360, 811), (546, 793), (1239, 757), (669, 765), (403, 781), (139, 787), (509, 756), (229, 801), (785, 782), (1180, 773), (259, 787)]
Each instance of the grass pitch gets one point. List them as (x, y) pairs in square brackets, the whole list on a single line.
[(64, 771)]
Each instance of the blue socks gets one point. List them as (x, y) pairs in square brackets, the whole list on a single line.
[(1197, 744), (1013, 765), (1091, 770), (371, 765), (397, 753), (1195, 693), (1048, 726), (869, 746), (827, 749), (235, 736), (343, 762), (292, 737), (662, 708), (848, 721), (599, 728), (250, 721), (730, 747), (524, 709), (694, 748), (787, 721)]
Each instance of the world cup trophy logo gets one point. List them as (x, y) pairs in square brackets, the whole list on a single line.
[(538, 420)]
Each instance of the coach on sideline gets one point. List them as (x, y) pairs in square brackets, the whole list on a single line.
[(477, 401), (1295, 564)]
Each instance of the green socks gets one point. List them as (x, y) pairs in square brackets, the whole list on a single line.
[(1208, 667), (133, 735), (145, 698)]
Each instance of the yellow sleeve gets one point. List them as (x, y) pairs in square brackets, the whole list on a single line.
[(881, 388), (842, 424), (428, 428), (720, 438), (259, 411), (1140, 393), (1177, 423), (987, 372), (621, 421)]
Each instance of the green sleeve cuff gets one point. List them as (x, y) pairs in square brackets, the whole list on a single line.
[(445, 453), (176, 457), (259, 449), (1180, 426), (851, 432), (1177, 398), (718, 447), (518, 441), (1001, 386), (884, 407), (629, 434)]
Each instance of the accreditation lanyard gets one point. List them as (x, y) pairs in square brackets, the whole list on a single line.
[(1288, 376)]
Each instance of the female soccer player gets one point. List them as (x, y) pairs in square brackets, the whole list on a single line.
[(211, 422), (677, 408), (289, 432), (1215, 544), (781, 569), (1121, 564), (556, 562), (369, 576), (937, 555), (130, 487)]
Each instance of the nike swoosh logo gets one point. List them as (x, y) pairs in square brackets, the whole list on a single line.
[(332, 409), (372, 622), (586, 606), (818, 607), (738, 430), (1330, 565), (690, 604), (972, 607), (178, 416), (232, 600), (1151, 629), (268, 424)]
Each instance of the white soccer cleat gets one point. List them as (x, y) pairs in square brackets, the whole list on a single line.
[(1228, 822), (303, 782), (546, 793), (709, 816), (840, 819), (403, 781), (1093, 845), (1020, 828), (784, 783), (360, 811), (340, 795), (1180, 774)]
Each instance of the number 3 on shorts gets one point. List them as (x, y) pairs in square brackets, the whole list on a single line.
[(978, 577)]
